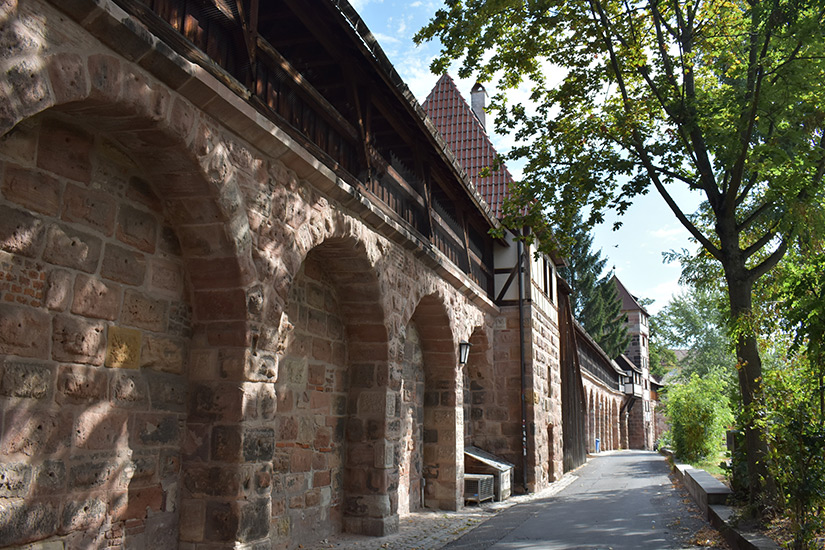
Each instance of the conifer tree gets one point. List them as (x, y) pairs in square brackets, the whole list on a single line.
[(595, 302)]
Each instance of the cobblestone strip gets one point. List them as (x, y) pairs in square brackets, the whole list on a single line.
[(430, 530)]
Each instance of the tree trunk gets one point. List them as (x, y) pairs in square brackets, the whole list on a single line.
[(749, 368)]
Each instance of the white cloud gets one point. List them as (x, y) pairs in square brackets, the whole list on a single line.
[(361, 4), (384, 39), (669, 232)]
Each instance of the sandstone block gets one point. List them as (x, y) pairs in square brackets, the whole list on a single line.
[(36, 432), (192, 520), (15, 479), (254, 520), (258, 445), (226, 443), (23, 331), (25, 521), (164, 354), (167, 391), (68, 247), (221, 522), (30, 84), (211, 481), (129, 391), (79, 384), (155, 430), (166, 276), (90, 207), (123, 265), (94, 474), (96, 298), (20, 232), (33, 190), (22, 379), (105, 76), (137, 228), (123, 348), (142, 311), (65, 150), (68, 76), (212, 305), (78, 515), (212, 402), (78, 340), (58, 290), (139, 503), (49, 478), (101, 431)]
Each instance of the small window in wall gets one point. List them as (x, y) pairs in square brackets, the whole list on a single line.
[(546, 276)]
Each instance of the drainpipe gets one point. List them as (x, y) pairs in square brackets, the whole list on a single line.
[(523, 359)]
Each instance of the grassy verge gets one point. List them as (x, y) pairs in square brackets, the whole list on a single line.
[(711, 465)]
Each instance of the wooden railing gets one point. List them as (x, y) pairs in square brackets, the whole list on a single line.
[(210, 33)]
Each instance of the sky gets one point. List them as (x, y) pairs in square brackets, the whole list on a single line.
[(648, 228)]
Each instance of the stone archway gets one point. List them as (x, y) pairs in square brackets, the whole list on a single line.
[(411, 442), (117, 298), (443, 441), (334, 465), (479, 393)]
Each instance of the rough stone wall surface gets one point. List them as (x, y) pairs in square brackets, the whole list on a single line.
[(410, 484), (496, 417), (93, 343), (308, 473), (603, 416), (637, 427), (547, 455), (661, 425), (131, 419)]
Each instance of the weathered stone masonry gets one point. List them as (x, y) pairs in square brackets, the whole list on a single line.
[(201, 345)]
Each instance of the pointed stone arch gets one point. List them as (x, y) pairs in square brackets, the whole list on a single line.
[(119, 150), (443, 442), (336, 465), (479, 390)]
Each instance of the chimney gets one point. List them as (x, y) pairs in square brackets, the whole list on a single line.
[(478, 101)]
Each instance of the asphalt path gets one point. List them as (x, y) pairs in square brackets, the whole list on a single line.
[(620, 500)]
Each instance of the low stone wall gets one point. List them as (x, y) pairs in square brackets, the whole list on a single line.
[(711, 495)]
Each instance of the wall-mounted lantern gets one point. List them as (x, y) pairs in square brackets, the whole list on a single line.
[(463, 352)]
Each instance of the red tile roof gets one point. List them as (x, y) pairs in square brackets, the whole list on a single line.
[(454, 119)]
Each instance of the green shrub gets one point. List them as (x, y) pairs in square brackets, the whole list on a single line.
[(796, 435), (699, 413)]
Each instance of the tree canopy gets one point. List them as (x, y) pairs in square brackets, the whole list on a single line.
[(721, 97), (696, 321), (595, 303)]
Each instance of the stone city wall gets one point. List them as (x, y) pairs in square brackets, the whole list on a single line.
[(202, 346)]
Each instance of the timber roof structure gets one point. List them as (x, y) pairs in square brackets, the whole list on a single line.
[(315, 69)]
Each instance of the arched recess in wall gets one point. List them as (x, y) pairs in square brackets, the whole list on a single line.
[(479, 394), (333, 466), (442, 441), (615, 424), (136, 262)]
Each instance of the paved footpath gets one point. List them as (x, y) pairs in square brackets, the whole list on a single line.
[(618, 500)]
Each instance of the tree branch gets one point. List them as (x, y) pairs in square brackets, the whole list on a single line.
[(768, 263), (747, 121), (752, 217), (761, 242)]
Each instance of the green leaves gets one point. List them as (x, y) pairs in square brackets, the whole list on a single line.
[(698, 414), (595, 302)]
